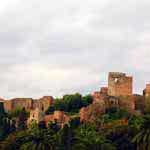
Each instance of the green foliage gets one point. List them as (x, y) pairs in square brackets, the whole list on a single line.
[(70, 103), (65, 138), (50, 110), (22, 118), (74, 122), (2, 111), (87, 100), (121, 136), (105, 133), (33, 125), (53, 126), (87, 138), (30, 139), (15, 113), (135, 122), (59, 105), (4, 122), (142, 139), (115, 114)]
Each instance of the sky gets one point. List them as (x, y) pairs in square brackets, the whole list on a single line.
[(67, 46)]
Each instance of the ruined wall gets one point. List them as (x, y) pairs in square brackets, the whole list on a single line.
[(104, 91), (119, 84), (18, 102), (8, 105), (28, 103), (43, 103), (59, 116), (111, 102), (99, 96), (91, 112), (139, 102), (127, 102)]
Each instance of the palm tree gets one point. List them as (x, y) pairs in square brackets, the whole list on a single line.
[(37, 139), (142, 139), (40, 139), (87, 138)]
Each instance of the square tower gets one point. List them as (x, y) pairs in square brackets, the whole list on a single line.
[(119, 84), (146, 91)]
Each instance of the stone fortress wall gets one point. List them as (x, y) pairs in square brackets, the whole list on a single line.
[(28, 103), (117, 94), (146, 91), (119, 84)]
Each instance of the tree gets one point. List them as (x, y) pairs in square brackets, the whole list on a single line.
[(10, 142), (4, 122), (65, 136), (142, 139), (117, 113), (16, 112), (22, 119), (2, 111), (121, 136), (33, 139), (70, 103), (74, 122), (87, 100), (73, 102), (40, 139), (135, 122), (87, 138), (59, 105), (33, 125), (50, 110)]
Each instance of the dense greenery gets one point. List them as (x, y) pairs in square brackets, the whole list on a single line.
[(70, 103), (9, 121), (115, 114), (105, 132), (82, 137), (74, 135), (4, 122)]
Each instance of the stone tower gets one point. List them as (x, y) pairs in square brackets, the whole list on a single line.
[(146, 91), (119, 84)]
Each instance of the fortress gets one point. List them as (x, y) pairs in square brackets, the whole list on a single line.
[(118, 93)]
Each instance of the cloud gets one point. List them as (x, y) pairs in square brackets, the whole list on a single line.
[(57, 47)]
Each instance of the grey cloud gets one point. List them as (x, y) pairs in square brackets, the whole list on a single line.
[(69, 46)]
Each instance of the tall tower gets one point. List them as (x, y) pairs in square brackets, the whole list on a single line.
[(119, 84)]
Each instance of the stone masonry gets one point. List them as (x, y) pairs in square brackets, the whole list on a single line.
[(146, 91), (119, 84), (28, 103), (58, 116)]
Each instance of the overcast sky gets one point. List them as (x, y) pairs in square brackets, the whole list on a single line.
[(54, 47)]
